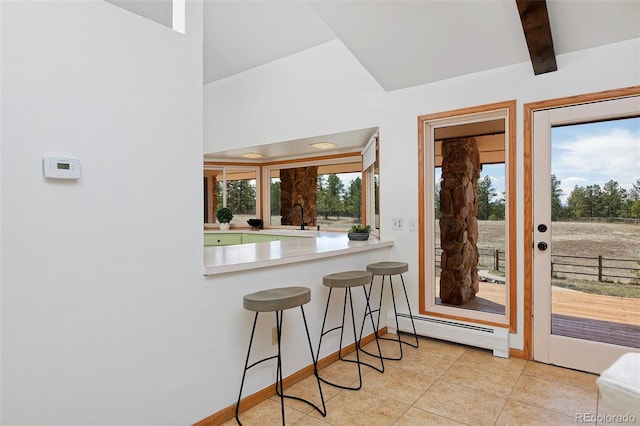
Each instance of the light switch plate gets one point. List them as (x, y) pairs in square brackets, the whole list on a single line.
[(398, 224), (412, 224)]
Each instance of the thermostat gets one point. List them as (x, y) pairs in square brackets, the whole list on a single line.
[(61, 168)]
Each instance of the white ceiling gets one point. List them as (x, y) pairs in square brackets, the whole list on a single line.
[(346, 142), (400, 43), (403, 43)]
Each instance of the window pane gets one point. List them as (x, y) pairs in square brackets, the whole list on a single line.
[(212, 193), (339, 200), (469, 212), (238, 193), (595, 231), (330, 195), (376, 186), (241, 194), (274, 199)]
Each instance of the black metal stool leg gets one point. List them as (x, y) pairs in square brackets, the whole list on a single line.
[(357, 341), (246, 367), (369, 312), (395, 312), (279, 376), (280, 391), (413, 324), (315, 366), (375, 326), (347, 294), (357, 361), (279, 383), (324, 321)]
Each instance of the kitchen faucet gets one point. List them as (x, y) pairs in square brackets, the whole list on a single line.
[(302, 223)]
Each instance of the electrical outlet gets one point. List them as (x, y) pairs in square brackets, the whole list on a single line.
[(412, 224), (398, 224), (274, 336)]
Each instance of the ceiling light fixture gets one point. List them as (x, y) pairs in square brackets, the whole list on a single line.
[(323, 145), (252, 155)]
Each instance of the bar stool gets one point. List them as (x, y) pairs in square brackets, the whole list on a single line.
[(277, 300), (347, 280), (387, 269)]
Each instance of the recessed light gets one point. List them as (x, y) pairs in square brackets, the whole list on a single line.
[(252, 155), (323, 145)]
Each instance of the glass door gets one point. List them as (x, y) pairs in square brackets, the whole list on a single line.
[(586, 218)]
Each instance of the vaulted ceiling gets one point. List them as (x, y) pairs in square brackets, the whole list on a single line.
[(401, 43), (408, 43)]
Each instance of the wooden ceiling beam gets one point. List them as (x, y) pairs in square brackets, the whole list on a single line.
[(537, 31)]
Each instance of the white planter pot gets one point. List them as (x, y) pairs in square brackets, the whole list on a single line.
[(225, 226)]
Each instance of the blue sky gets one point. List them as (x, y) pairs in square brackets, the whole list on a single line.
[(594, 153), (586, 154)]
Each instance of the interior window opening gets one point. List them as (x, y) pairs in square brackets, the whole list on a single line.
[(333, 191)]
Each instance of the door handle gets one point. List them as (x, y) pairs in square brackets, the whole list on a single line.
[(542, 246)]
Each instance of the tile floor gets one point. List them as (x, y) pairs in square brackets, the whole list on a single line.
[(439, 383)]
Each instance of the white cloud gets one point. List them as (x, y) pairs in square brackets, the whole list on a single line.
[(567, 185), (596, 158)]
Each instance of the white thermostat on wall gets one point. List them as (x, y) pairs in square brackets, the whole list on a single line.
[(61, 168)]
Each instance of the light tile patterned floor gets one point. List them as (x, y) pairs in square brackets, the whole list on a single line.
[(440, 383)]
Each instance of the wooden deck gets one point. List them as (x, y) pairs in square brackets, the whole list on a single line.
[(607, 319), (489, 299)]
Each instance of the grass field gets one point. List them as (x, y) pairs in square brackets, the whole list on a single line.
[(584, 239)]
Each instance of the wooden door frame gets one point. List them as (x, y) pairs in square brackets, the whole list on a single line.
[(529, 109)]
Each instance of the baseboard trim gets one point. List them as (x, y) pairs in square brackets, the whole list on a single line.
[(266, 393), (516, 353)]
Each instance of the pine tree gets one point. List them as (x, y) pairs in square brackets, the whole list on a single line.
[(353, 199), (486, 192)]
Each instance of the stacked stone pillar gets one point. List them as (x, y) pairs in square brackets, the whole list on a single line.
[(458, 222), (299, 185)]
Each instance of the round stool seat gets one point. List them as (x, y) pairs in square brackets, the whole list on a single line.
[(347, 279), (388, 268), (276, 299)]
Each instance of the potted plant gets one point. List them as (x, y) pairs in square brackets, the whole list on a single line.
[(224, 216), (359, 232)]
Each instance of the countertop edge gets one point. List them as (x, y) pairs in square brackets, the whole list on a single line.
[(246, 266)]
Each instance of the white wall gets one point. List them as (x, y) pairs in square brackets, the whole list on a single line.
[(316, 92), (261, 115), (102, 292), (106, 317)]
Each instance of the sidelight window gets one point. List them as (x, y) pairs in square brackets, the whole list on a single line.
[(467, 219)]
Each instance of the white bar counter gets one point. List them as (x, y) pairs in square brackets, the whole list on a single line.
[(310, 246)]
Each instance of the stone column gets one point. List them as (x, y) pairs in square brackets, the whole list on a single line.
[(458, 223), (298, 185)]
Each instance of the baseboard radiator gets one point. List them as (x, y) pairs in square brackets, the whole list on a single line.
[(481, 336)]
